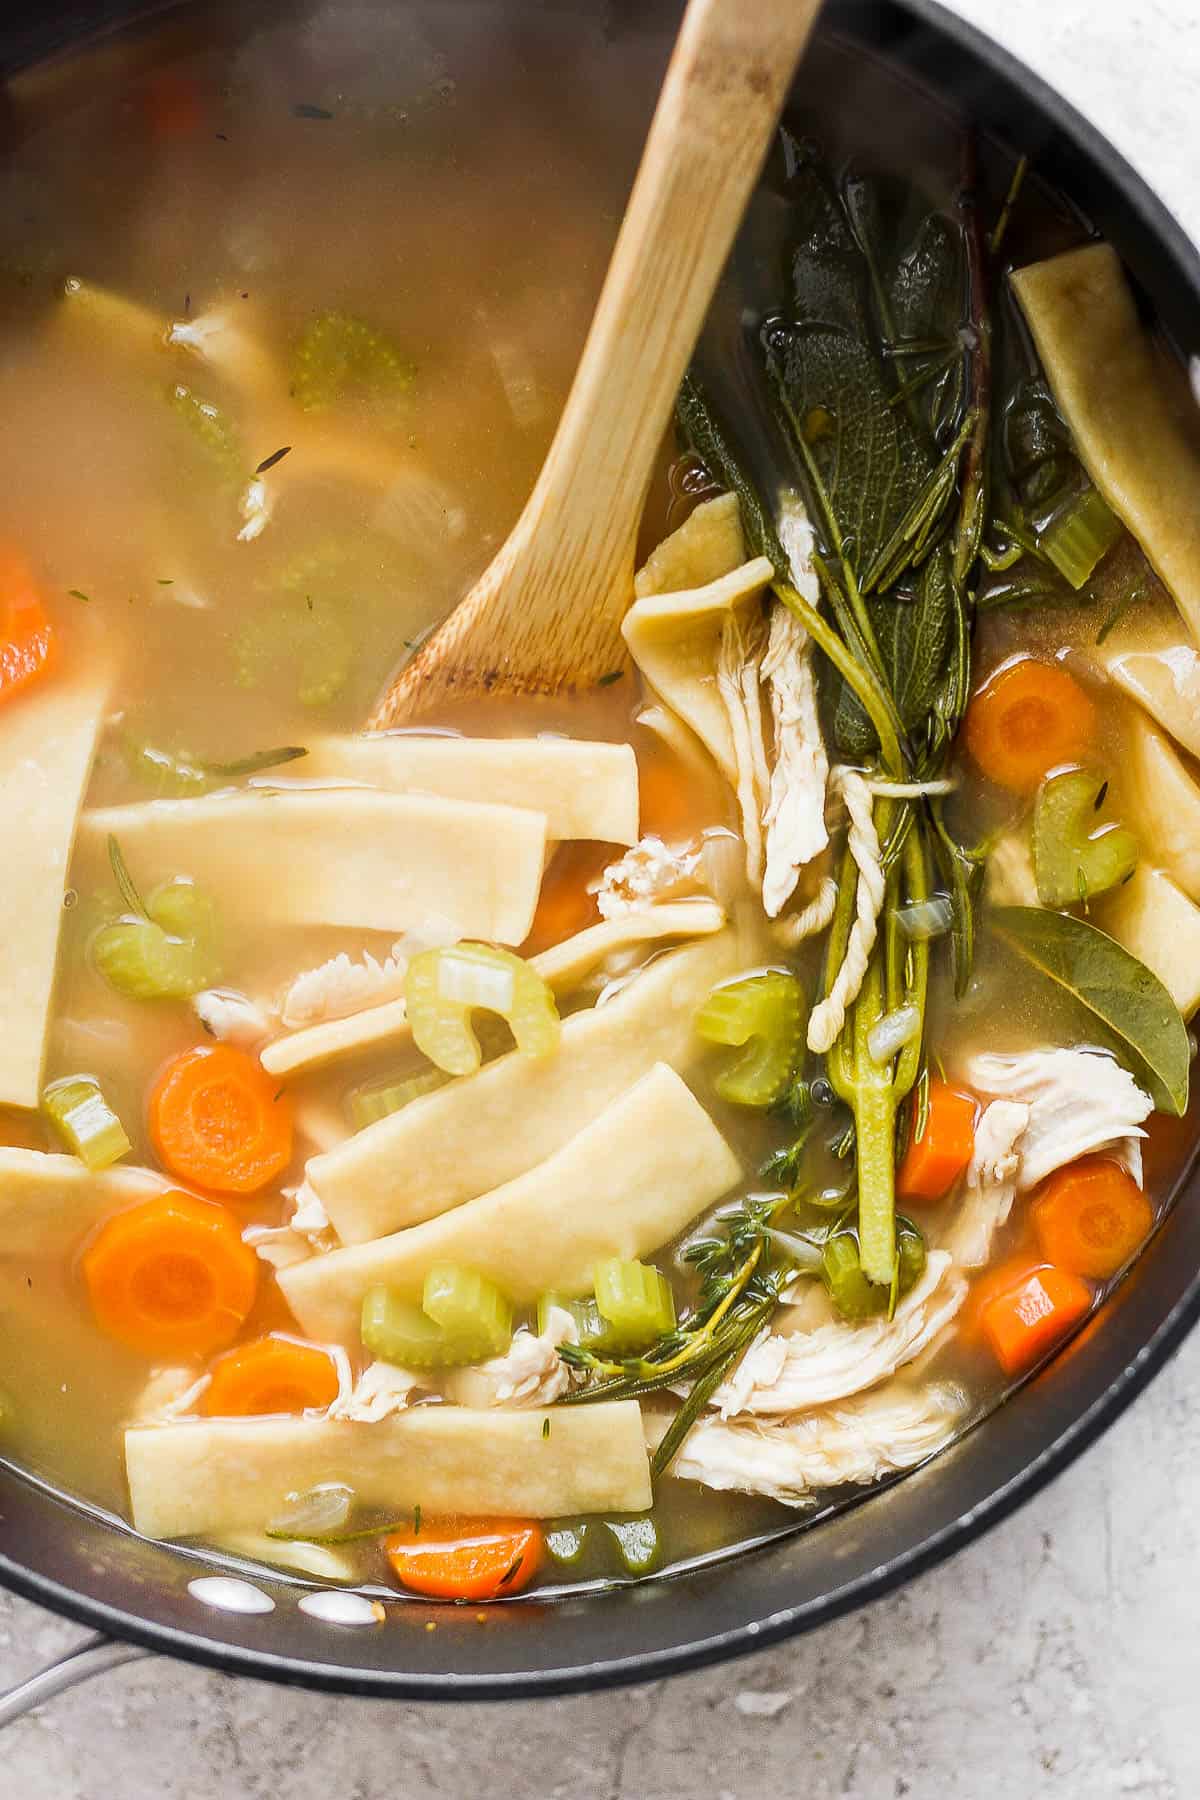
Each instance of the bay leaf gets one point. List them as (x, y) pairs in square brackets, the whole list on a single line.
[(1121, 993)]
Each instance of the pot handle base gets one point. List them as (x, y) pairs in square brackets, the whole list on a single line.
[(94, 1656)]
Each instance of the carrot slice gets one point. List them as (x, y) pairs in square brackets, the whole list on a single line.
[(271, 1375), (217, 1119), (564, 905), (666, 799), (1028, 718), (28, 644), (1029, 1319), (1090, 1217), (466, 1559), (171, 1276), (934, 1161)]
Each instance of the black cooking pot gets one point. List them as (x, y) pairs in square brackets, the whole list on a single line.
[(100, 1572)]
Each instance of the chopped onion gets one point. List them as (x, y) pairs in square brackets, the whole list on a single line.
[(319, 1510), (926, 919), (805, 1254), (892, 1032)]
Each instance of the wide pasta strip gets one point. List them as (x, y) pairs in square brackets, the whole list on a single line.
[(349, 858), (675, 640), (1157, 923), (1112, 395), (487, 1128), (585, 789), (708, 544), (47, 742), (1161, 801), (48, 1202), (236, 1475), (563, 967), (623, 1186)]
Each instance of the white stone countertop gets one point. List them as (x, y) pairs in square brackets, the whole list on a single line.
[(1058, 1657)]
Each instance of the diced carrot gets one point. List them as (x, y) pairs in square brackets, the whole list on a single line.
[(271, 1375), (466, 1559), (217, 1119), (171, 1276), (174, 105), (564, 905), (1090, 1217), (934, 1161), (1027, 719), (1025, 1321), (666, 798), (28, 643)]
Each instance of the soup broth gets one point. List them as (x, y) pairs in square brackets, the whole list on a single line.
[(289, 312)]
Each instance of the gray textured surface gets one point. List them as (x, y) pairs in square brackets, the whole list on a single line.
[(1057, 1657)]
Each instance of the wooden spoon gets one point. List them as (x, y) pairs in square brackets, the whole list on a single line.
[(544, 617)]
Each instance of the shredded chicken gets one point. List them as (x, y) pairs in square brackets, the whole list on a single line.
[(530, 1373), (342, 986), (828, 1017), (795, 812), (232, 1018), (255, 506), (308, 1232), (381, 1390), (169, 1394), (1079, 1101), (990, 1185), (791, 1374), (1009, 878), (856, 1441), (738, 660), (646, 873)]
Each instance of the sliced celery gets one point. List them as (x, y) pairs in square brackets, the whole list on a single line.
[(471, 1312), (1080, 535), (1071, 864), (763, 1013), (166, 954), (443, 987), (85, 1121), (566, 1540), (211, 430), (396, 1331), (339, 356), (841, 1270), (637, 1543), (592, 1331), (367, 1105), (636, 1300)]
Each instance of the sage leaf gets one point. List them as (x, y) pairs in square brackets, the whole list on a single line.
[(1121, 993)]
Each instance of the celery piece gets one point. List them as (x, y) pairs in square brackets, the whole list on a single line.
[(841, 1270), (636, 1542), (636, 1301), (763, 1013), (566, 1540), (1080, 535), (1070, 862), (85, 1121), (308, 635), (374, 1101), (592, 1331), (442, 987), (396, 1331), (211, 430), (339, 356), (140, 960), (471, 1312), (184, 910)]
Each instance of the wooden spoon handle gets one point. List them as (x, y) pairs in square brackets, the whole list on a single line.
[(728, 77)]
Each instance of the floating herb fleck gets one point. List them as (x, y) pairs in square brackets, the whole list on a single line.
[(78, 594), (269, 462), (304, 109)]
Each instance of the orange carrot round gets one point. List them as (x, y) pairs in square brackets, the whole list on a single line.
[(1024, 1322), (1029, 717), (218, 1120), (466, 1559), (273, 1374), (28, 645), (1090, 1217), (934, 1161), (171, 1276)]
